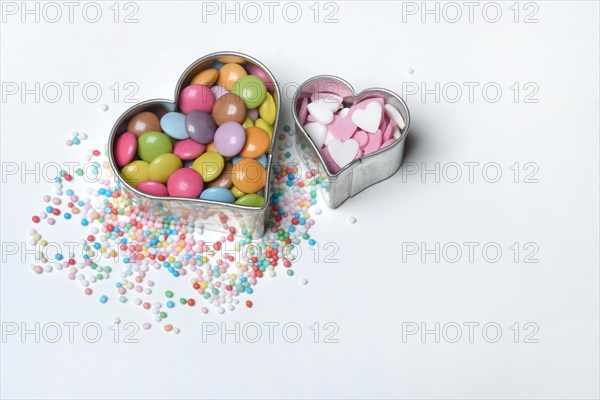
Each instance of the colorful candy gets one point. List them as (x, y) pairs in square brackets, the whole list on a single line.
[(226, 113), (173, 124), (185, 182), (125, 149), (143, 122), (249, 175), (209, 165), (196, 97), (230, 139), (251, 89), (152, 144), (229, 107)]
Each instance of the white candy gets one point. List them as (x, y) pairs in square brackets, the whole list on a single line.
[(369, 118), (329, 137), (343, 153), (322, 110), (317, 132), (395, 115)]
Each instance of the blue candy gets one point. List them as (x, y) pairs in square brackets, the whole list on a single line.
[(173, 124), (218, 194)]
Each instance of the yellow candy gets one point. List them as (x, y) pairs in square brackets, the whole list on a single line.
[(135, 172), (163, 166), (209, 165), (261, 123), (237, 192), (248, 123), (203, 284), (267, 110), (208, 77)]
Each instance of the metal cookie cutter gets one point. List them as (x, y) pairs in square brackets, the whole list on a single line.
[(213, 215), (362, 172)]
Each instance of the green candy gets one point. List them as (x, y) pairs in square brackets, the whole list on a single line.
[(252, 200), (251, 89), (152, 144)]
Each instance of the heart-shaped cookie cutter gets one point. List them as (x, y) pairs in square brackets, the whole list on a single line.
[(213, 215), (361, 172)]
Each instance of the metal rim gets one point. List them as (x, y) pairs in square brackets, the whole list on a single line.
[(128, 113), (354, 95)]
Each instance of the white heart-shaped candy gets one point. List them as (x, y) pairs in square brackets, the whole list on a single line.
[(329, 137), (322, 110), (369, 118), (317, 132), (394, 115), (343, 152)]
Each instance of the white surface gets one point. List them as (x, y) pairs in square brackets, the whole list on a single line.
[(371, 292)]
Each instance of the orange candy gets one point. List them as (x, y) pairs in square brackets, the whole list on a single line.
[(257, 143), (207, 77), (229, 74), (249, 175)]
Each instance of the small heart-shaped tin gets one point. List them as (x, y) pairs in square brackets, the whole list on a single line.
[(212, 215), (362, 172)]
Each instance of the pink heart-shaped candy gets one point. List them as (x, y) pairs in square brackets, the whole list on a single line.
[(374, 142)]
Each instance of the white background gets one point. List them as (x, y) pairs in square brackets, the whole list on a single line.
[(370, 293)]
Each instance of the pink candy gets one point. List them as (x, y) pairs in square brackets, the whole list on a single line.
[(125, 149), (185, 182), (188, 149), (254, 70), (196, 97), (153, 188)]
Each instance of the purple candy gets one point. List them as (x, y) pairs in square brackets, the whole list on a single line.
[(252, 114), (218, 91), (230, 139), (200, 126)]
